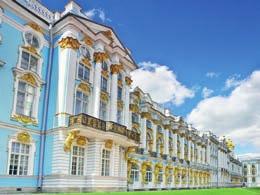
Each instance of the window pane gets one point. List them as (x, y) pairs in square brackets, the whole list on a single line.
[(33, 64), (35, 42), (25, 60), (80, 72)]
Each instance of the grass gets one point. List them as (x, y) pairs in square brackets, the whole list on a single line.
[(221, 191)]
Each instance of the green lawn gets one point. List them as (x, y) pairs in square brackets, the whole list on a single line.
[(223, 191)]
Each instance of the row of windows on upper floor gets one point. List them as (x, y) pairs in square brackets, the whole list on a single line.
[(25, 101)]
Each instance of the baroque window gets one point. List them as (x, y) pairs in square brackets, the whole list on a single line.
[(134, 175), (25, 99), (103, 110), (105, 171), (83, 72), (32, 39), (81, 105), (103, 84), (77, 160), (148, 175), (29, 61)]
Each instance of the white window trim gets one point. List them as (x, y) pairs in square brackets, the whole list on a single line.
[(85, 160), (31, 156), (75, 97), (111, 168), (36, 99)]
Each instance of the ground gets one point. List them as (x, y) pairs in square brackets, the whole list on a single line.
[(223, 191)]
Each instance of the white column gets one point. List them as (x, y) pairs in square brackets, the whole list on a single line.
[(208, 153), (99, 56), (182, 147), (113, 94), (175, 145), (189, 150), (143, 133), (66, 73), (154, 136), (166, 141), (128, 82)]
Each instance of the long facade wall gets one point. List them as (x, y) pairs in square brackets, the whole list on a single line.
[(68, 121)]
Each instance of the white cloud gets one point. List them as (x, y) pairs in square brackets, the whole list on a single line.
[(206, 92), (248, 156), (212, 74), (236, 116), (161, 83), (91, 14), (233, 81)]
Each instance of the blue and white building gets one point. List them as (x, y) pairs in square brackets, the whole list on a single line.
[(69, 122)]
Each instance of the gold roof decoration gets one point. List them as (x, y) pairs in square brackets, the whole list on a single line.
[(35, 27), (24, 137), (128, 81), (82, 140), (84, 88), (30, 79), (69, 42), (230, 144), (88, 41)]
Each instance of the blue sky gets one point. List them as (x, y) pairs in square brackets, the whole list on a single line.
[(210, 46)]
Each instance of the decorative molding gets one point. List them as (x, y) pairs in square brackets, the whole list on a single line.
[(30, 79), (84, 88), (26, 120), (24, 137), (128, 81), (86, 62), (81, 140), (100, 57), (116, 68), (120, 104), (69, 42), (32, 50), (108, 34), (88, 41), (36, 27), (109, 144), (70, 138), (134, 108), (104, 96), (146, 115), (105, 73)]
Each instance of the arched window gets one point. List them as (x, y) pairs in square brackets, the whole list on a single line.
[(159, 144), (148, 174), (134, 175), (32, 39)]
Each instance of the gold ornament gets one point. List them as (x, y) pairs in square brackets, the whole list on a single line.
[(86, 62), (115, 68), (128, 151), (24, 137), (31, 49), (35, 27), (109, 144), (88, 41), (120, 104), (81, 140), (84, 88), (100, 57), (104, 96), (70, 138), (128, 81), (69, 42), (146, 115), (134, 108), (24, 119), (29, 78), (108, 34)]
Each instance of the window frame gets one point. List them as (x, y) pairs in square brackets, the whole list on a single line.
[(87, 102), (31, 159), (148, 175), (106, 169), (84, 71), (134, 173), (77, 161), (100, 110)]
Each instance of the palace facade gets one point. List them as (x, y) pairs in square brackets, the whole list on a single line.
[(69, 120), (251, 170)]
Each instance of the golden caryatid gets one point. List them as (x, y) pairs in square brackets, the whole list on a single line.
[(70, 138)]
